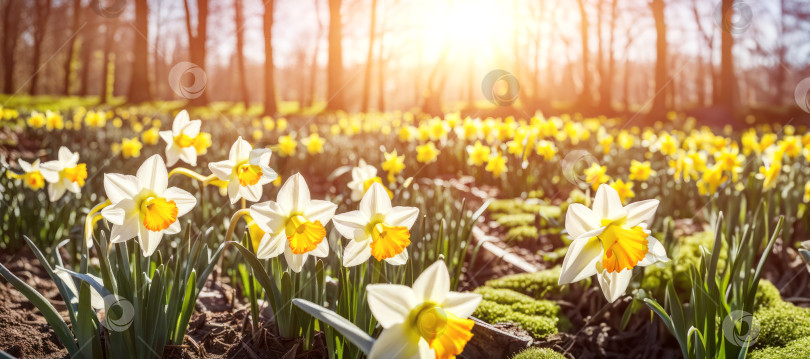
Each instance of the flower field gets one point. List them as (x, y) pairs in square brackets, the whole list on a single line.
[(160, 230)]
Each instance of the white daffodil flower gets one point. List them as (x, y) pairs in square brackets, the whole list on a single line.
[(246, 170), (64, 174), (32, 176), (609, 241), (180, 140), (293, 224), (362, 177), (425, 321), (143, 206), (376, 229)]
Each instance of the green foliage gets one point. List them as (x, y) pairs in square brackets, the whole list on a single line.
[(538, 317), (686, 256), (781, 323), (797, 349), (767, 295), (538, 353), (515, 220), (536, 285)]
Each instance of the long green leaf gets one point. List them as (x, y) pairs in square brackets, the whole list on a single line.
[(354, 334)]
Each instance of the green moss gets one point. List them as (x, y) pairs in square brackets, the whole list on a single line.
[(538, 353), (522, 233), (538, 326), (767, 295), (519, 302), (515, 220), (781, 323), (797, 349), (506, 206), (687, 254), (537, 285), (550, 211)]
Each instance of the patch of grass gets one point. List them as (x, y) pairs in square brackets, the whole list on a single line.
[(538, 353), (781, 323), (537, 285), (797, 349), (522, 233), (515, 220)]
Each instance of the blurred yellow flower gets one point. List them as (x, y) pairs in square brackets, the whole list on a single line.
[(314, 143), (393, 164), (286, 144), (711, 180), (625, 189), (640, 171), (257, 135), (117, 122), (807, 192), (405, 133), (131, 147), (53, 120), (496, 164), (668, 144), (281, 124), (36, 120), (427, 153), (477, 154), (625, 140), (791, 146), (151, 136), (95, 119), (605, 142), (595, 175), (769, 175)]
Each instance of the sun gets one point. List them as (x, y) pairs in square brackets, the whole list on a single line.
[(469, 25)]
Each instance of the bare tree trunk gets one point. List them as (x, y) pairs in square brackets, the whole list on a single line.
[(71, 45), (239, 21), (109, 32), (335, 69), (661, 70), (607, 92), (270, 102), (42, 11), (11, 23), (88, 39), (139, 78), (313, 71), (381, 77), (370, 57), (196, 43), (728, 82), (585, 97)]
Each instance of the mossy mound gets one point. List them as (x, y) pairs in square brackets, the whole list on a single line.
[(688, 254), (538, 317), (537, 285), (538, 353), (797, 349), (781, 323), (767, 295)]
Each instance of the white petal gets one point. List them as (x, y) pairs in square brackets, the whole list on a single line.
[(580, 219), (50, 171), (149, 240), (118, 212), (25, 166), (56, 191), (271, 245), (294, 194), (269, 216), (322, 250), (268, 175), (167, 137), (655, 252), (260, 157), (375, 200), (402, 216), (180, 121), (192, 129), (173, 228), (153, 175), (294, 261), (189, 155), (398, 259), (433, 284), (607, 204), (119, 187), (397, 342), (390, 303), (233, 190), (356, 252), (614, 284), (641, 212), (347, 223), (322, 211), (184, 201), (251, 193), (240, 151), (126, 231), (222, 169), (67, 157), (582, 255), (461, 305)]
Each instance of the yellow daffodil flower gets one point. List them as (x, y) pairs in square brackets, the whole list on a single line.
[(201, 143), (287, 145), (595, 175), (246, 170), (496, 164), (640, 171), (393, 164), (314, 143), (131, 147), (427, 153), (151, 136), (477, 154)]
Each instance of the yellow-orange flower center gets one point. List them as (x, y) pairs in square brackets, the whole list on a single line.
[(34, 180), (623, 247), (446, 333), (76, 174), (158, 213), (248, 174), (388, 241), (183, 140), (303, 235)]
